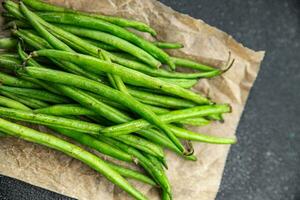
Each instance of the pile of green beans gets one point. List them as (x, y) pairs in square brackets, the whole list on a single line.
[(89, 78)]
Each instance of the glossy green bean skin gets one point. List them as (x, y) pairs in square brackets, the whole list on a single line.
[(189, 135), (10, 64), (114, 41), (143, 161), (95, 144), (95, 65), (61, 122), (6, 79), (168, 45), (65, 109), (10, 103), (78, 81), (172, 116), (89, 22), (160, 100), (8, 43), (134, 64), (142, 144), (191, 64), (199, 121), (74, 151), (129, 173), (35, 94), (42, 6), (34, 103)]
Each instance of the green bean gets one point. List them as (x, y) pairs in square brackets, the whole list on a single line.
[(199, 121), (133, 64), (65, 109), (191, 64), (8, 43), (35, 94), (129, 173), (160, 100), (81, 82), (42, 6), (215, 117), (172, 116), (6, 79), (142, 144), (100, 45), (60, 122), (95, 65), (88, 101), (114, 41), (33, 103), (143, 161), (168, 45), (89, 22), (95, 144), (10, 63), (189, 135), (72, 150), (10, 103)]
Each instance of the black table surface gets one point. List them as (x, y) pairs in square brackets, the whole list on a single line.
[(265, 164)]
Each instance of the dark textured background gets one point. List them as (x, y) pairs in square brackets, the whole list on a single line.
[(265, 164)]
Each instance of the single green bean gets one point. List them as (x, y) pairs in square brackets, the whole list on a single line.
[(10, 103), (35, 94), (42, 6), (100, 45), (199, 121), (61, 122), (95, 65), (182, 62), (71, 150), (6, 79), (114, 41), (129, 173), (81, 82), (10, 63), (65, 109), (9, 55), (160, 100), (168, 45), (8, 43), (189, 135), (33, 103)]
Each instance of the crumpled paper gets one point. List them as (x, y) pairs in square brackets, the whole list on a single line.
[(190, 180)]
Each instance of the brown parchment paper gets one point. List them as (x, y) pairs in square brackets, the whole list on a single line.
[(190, 180)]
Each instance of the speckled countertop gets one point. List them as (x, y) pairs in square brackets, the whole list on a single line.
[(265, 164)]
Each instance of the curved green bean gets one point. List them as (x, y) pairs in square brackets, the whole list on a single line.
[(10, 103), (74, 151), (189, 135), (60, 122), (182, 62), (168, 45)]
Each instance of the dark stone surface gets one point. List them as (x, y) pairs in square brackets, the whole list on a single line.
[(265, 164)]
